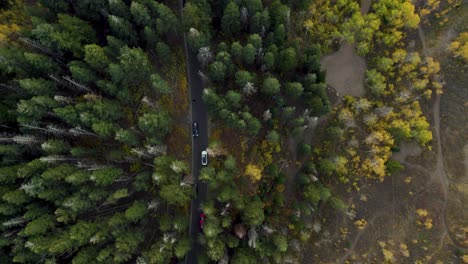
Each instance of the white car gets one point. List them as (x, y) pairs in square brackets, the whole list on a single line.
[(204, 158)]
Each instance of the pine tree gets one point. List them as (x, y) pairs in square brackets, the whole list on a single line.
[(287, 60), (107, 176), (133, 68), (155, 124), (217, 71), (195, 17), (249, 52), (167, 21), (253, 213), (119, 8), (96, 57), (136, 212), (270, 86), (140, 14), (243, 77), (123, 29), (230, 21), (38, 86)]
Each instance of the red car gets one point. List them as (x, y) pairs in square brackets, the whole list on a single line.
[(202, 219)]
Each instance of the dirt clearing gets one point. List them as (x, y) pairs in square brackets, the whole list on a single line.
[(345, 71)]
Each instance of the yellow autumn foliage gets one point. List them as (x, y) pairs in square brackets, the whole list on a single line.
[(433, 66), (388, 255), (402, 125), (459, 46), (428, 223), (325, 18), (404, 250), (376, 125), (399, 55), (341, 165), (421, 212), (254, 172), (375, 166), (12, 19), (360, 224)]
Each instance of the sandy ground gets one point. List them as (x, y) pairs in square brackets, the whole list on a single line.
[(345, 71)]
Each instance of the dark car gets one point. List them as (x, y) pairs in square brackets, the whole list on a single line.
[(202, 219), (195, 129)]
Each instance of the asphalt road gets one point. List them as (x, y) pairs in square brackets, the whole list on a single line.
[(200, 143)]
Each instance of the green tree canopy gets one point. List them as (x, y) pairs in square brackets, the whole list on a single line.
[(230, 21), (253, 213), (96, 57), (136, 211), (270, 86), (140, 14), (133, 68), (195, 17), (155, 124)]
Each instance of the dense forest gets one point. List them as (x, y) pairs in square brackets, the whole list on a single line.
[(264, 86), (86, 174), (95, 162)]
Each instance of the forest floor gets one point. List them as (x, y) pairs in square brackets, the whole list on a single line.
[(179, 140), (420, 213)]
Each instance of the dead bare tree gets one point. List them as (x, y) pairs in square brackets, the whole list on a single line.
[(50, 129), (244, 14), (249, 89), (253, 236), (43, 49), (76, 85), (78, 131), (204, 56)]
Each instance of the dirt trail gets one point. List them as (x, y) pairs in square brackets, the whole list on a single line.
[(423, 39), (439, 173), (365, 6), (356, 239)]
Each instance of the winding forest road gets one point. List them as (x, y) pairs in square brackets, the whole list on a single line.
[(200, 143)]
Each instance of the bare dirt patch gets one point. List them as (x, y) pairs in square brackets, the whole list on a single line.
[(410, 149), (345, 71), (365, 6)]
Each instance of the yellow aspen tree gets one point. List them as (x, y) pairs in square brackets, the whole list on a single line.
[(12, 19), (254, 172), (459, 47)]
